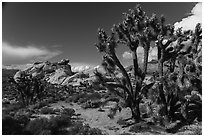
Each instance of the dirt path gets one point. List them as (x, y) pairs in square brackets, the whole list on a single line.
[(98, 119)]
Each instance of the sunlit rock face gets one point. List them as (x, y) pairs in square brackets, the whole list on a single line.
[(60, 73), (54, 73)]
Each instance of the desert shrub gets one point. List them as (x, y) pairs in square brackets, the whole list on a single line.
[(91, 104), (12, 107), (39, 105), (69, 89), (68, 112), (51, 100), (83, 97), (45, 126), (90, 97), (122, 122), (140, 128), (83, 75), (30, 89), (83, 129), (60, 125), (11, 126), (77, 96), (193, 107), (98, 86), (38, 126), (47, 110), (7, 87), (94, 96), (23, 116)]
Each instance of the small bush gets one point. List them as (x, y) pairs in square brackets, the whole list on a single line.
[(68, 111), (76, 97), (122, 122), (80, 129), (140, 128), (83, 75), (58, 123), (47, 110), (52, 126), (91, 104), (39, 105), (11, 126), (23, 118), (38, 126)]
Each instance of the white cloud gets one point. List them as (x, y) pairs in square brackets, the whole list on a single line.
[(153, 53), (191, 21), (80, 68), (77, 67), (140, 54), (127, 55), (14, 53)]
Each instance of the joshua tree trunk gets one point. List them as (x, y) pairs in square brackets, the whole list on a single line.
[(133, 102), (160, 61), (135, 111), (117, 62), (146, 54), (160, 68), (181, 75), (135, 105), (158, 53), (135, 63), (172, 65)]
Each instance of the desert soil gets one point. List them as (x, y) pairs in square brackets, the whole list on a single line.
[(98, 119)]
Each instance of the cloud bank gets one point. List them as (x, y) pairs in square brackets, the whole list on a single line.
[(15, 53), (77, 67), (191, 21)]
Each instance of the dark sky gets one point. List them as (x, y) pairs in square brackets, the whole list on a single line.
[(69, 29)]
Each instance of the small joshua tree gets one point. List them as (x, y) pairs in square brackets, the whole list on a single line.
[(131, 32), (29, 89)]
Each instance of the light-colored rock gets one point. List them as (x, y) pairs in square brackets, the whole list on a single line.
[(69, 79), (19, 75), (59, 76)]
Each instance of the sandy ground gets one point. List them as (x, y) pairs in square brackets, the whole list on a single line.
[(98, 119)]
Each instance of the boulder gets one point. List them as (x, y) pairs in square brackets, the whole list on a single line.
[(69, 79), (20, 74), (58, 77)]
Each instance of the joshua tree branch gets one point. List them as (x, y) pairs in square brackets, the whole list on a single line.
[(112, 85), (117, 62)]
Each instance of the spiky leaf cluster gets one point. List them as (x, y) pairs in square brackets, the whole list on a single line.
[(134, 28), (107, 44)]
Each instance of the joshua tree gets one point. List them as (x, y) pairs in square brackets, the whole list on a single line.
[(131, 32), (30, 90), (185, 78), (164, 37)]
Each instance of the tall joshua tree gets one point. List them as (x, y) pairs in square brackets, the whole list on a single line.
[(165, 36), (131, 32)]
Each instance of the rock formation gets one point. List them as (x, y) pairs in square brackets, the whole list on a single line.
[(54, 73)]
